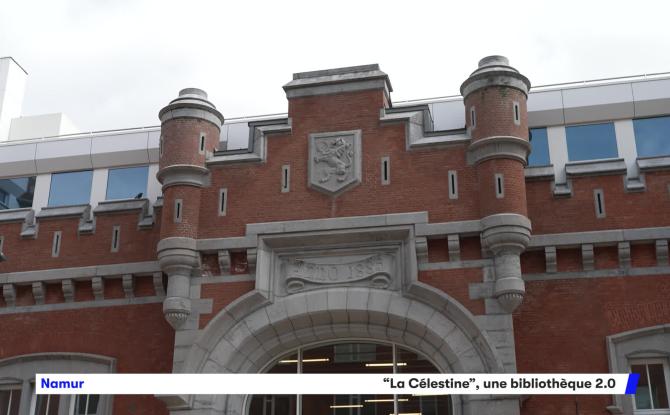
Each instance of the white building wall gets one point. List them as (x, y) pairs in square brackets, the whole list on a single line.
[(41, 196), (38, 126), (625, 142), (558, 151), (12, 88), (99, 186)]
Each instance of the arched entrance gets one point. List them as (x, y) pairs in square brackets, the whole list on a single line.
[(253, 333), (346, 281), (351, 357)]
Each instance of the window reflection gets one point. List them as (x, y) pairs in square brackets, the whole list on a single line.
[(17, 193), (591, 142), (652, 136), (127, 183), (539, 147), (71, 188), (355, 357)]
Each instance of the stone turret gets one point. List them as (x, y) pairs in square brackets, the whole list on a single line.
[(190, 129), (495, 98)]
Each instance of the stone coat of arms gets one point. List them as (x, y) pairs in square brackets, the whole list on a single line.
[(334, 161)]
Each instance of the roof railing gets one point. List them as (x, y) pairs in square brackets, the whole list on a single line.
[(231, 120)]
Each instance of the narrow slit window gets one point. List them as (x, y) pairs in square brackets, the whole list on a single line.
[(160, 146), (223, 201), (2, 244), (517, 114), (178, 207), (116, 234), (599, 200), (201, 145), (500, 186), (285, 178), (386, 170), (473, 117), (55, 247), (453, 184)]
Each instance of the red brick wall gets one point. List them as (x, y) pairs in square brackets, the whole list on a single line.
[(78, 250), (190, 211), (561, 328), (137, 336), (514, 187), (418, 177), (577, 213), (495, 112), (181, 141)]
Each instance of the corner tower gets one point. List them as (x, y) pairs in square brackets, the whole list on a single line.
[(190, 129), (495, 98)]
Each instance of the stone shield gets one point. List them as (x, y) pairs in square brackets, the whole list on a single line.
[(334, 161)]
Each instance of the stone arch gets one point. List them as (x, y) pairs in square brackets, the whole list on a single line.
[(253, 331)]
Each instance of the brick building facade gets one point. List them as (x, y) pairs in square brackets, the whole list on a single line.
[(352, 230)]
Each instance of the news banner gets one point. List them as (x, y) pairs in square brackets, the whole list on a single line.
[(337, 384)]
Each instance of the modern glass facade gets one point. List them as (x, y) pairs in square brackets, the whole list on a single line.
[(127, 183), (539, 153), (652, 136), (71, 188), (591, 142), (17, 193)]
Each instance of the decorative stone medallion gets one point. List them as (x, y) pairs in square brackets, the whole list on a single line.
[(334, 161)]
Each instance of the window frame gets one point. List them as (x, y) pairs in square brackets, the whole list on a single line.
[(21, 370), (666, 372), (636, 345)]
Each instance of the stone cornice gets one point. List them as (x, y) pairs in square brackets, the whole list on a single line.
[(183, 175), (498, 147)]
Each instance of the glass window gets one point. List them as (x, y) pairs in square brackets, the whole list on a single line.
[(47, 404), (127, 183), (86, 405), (71, 188), (591, 142), (652, 136), (17, 193), (351, 358), (10, 397), (539, 147), (652, 389)]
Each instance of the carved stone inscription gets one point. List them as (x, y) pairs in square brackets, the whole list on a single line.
[(335, 161), (375, 271)]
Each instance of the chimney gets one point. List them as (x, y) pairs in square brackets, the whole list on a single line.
[(12, 87)]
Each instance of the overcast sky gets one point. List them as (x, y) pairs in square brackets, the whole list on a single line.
[(114, 63)]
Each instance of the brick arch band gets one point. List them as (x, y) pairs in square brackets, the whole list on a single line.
[(252, 332)]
